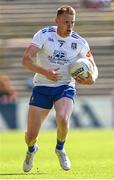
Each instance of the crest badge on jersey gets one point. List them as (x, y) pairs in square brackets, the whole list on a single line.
[(74, 45)]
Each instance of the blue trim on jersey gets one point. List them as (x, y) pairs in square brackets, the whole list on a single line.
[(44, 97), (51, 29), (48, 29), (44, 30), (74, 35)]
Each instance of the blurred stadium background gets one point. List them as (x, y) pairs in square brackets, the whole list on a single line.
[(19, 20)]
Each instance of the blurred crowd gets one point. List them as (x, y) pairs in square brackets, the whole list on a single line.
[(97, 4), (7, 91)]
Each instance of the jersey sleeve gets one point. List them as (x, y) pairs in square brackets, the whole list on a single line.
[(84, 49), (38, 39)]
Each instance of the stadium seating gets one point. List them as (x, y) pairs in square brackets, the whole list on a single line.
[(20, 19)]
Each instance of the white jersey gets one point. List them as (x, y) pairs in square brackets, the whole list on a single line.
[(57, 52)]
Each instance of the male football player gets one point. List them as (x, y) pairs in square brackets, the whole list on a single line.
[(56, 48)]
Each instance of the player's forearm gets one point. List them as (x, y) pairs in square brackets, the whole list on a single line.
[(29, 63)]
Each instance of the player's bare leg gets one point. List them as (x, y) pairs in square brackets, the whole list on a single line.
[(63, 109), (36, 116)]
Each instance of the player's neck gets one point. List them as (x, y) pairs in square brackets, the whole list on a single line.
[(62, 34)]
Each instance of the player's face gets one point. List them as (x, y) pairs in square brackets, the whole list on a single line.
[(65, 24)]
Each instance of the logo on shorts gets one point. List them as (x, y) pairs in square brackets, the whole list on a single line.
[(32, 98)]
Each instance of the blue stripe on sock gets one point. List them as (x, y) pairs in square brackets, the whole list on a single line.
[(60, 144), (31, 148)]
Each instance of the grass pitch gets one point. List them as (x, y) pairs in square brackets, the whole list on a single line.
[(91, 152)]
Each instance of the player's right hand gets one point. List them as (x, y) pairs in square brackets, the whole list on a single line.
[(53, 75)]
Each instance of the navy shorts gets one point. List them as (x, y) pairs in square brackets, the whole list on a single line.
[(44, 97)]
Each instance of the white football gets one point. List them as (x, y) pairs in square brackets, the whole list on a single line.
[(81, 67)]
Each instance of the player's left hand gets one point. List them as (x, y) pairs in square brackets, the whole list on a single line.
[(85, 80)]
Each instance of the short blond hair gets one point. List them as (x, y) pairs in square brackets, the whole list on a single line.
[(66, 9)]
